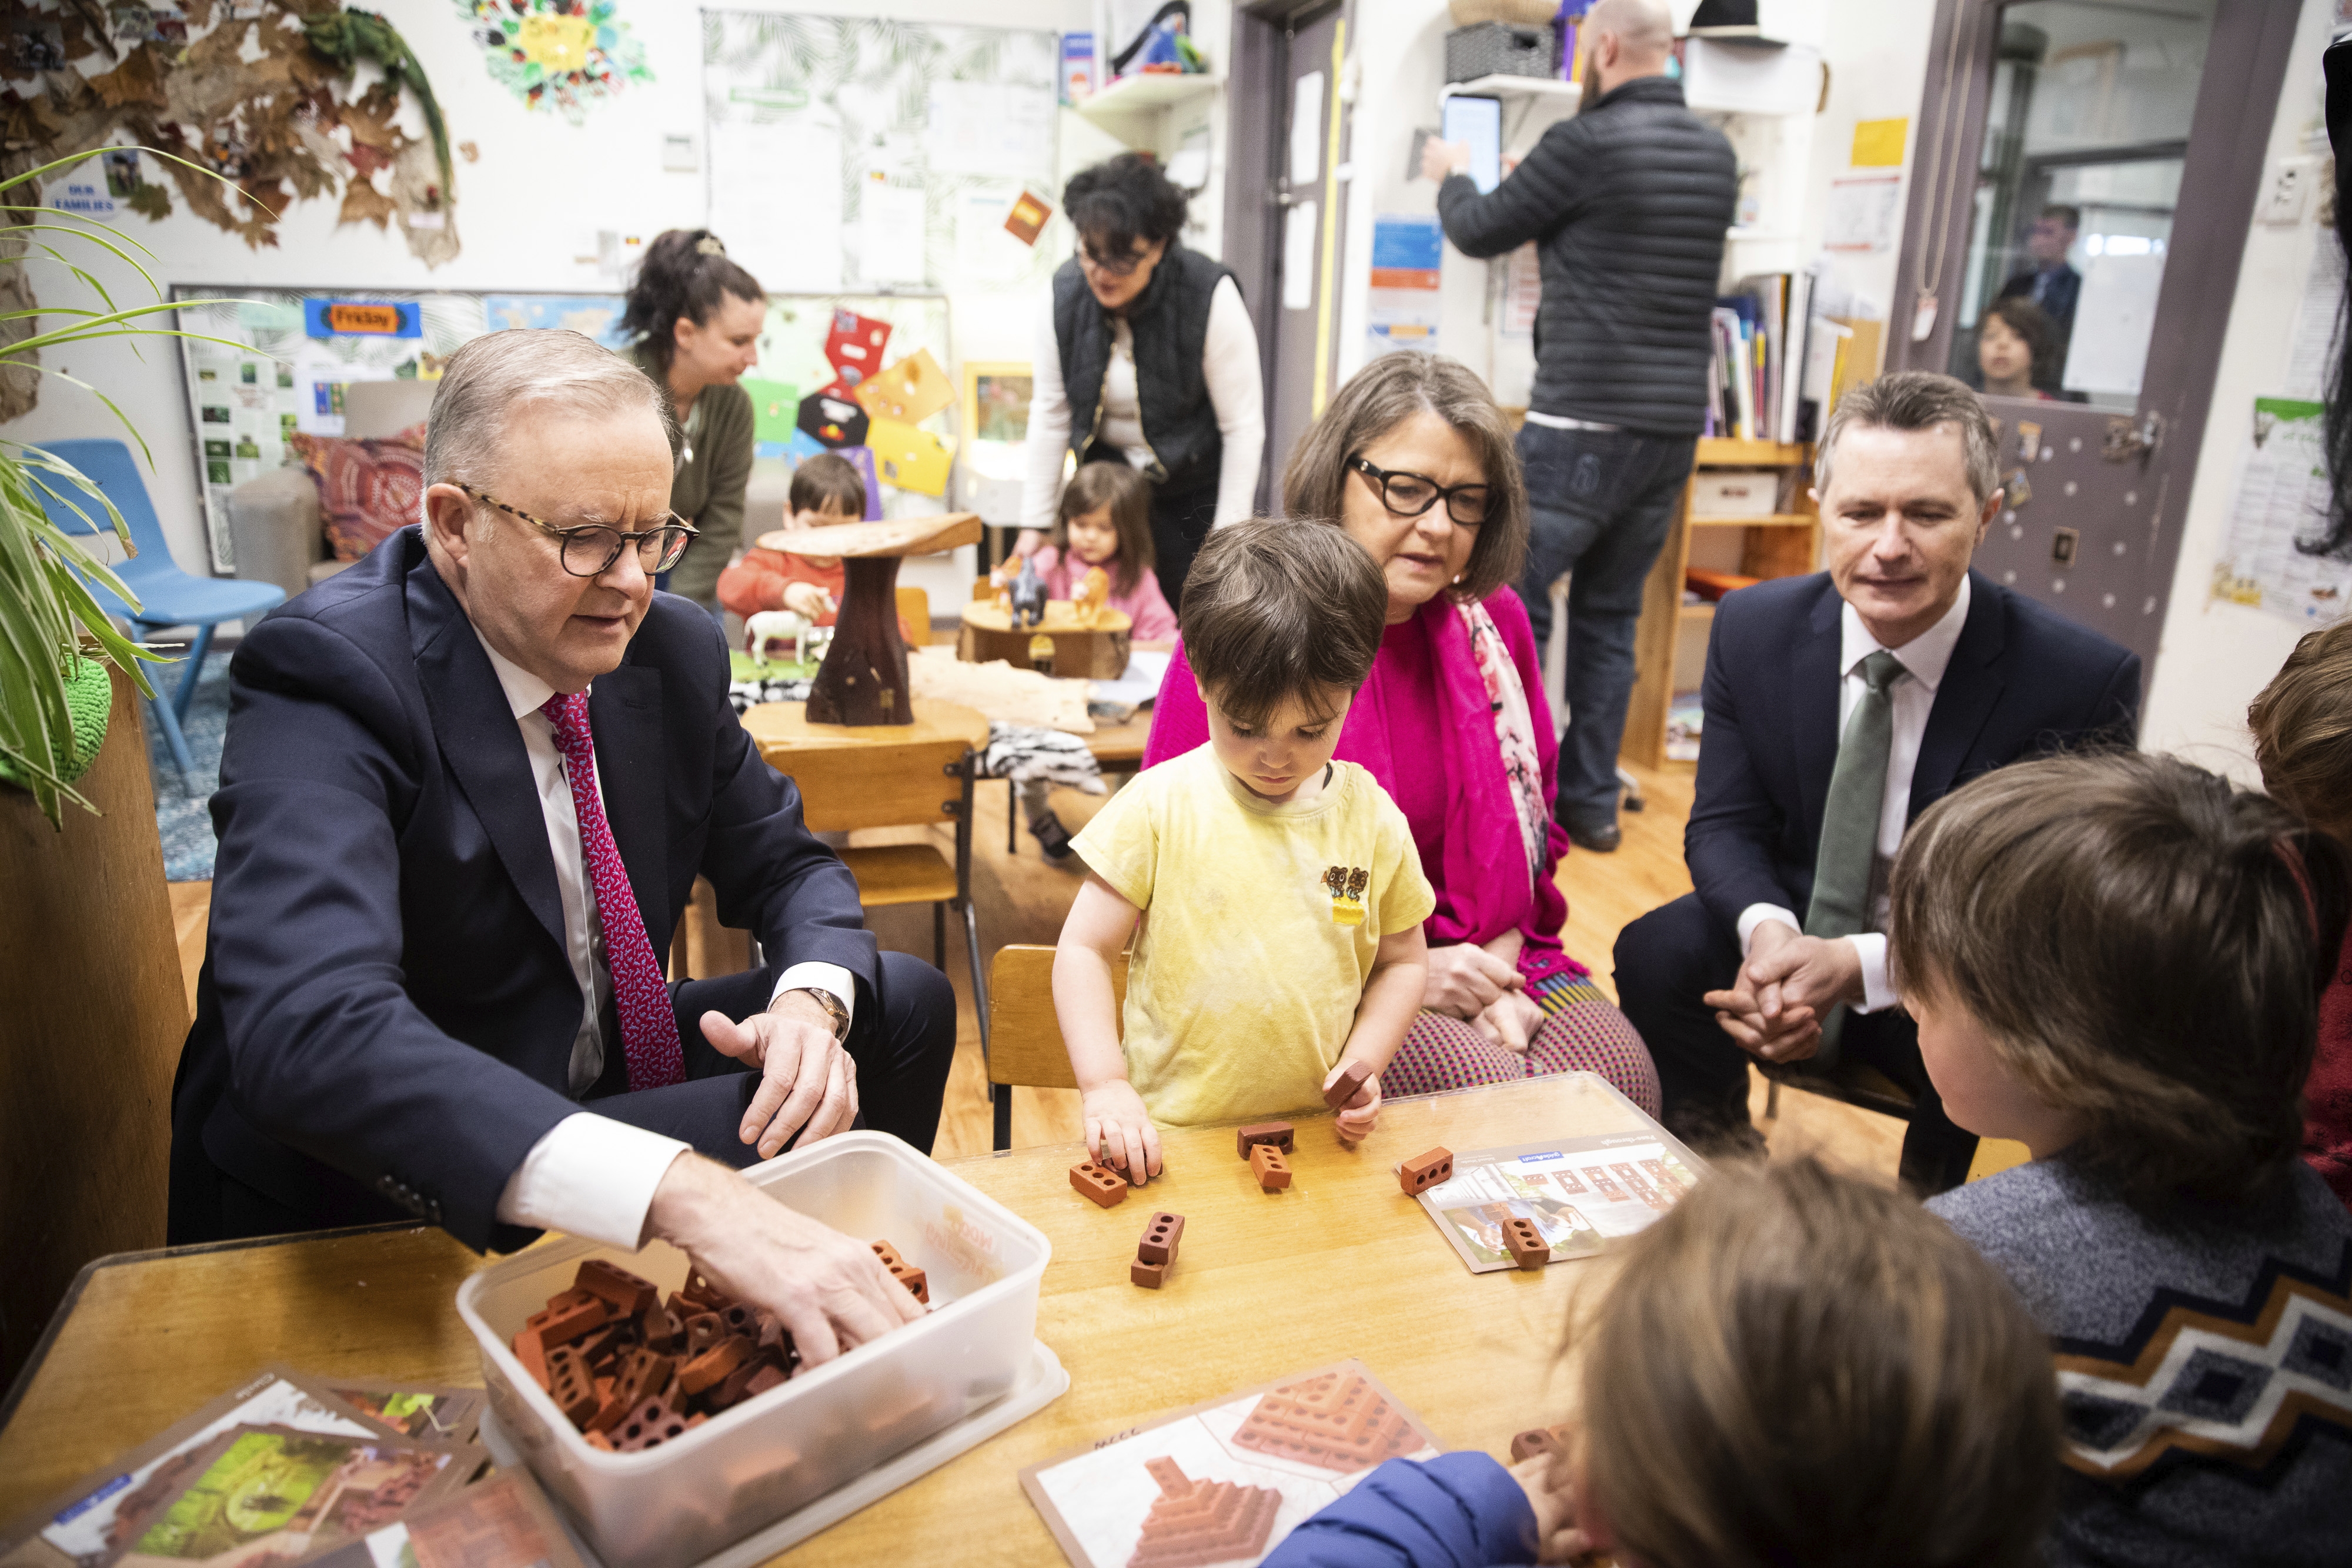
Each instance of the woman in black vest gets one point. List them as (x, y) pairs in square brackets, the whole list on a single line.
[(1144, 356)]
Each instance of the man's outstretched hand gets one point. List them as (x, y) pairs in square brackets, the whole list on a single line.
[(1789, 984), (830, 1289)]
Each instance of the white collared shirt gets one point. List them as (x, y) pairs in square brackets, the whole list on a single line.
[(591, 1176), (1912, 697)]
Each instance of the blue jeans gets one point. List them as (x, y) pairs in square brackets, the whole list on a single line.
[(1602, 501)]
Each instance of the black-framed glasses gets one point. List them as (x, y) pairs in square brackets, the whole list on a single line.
[(591, 549), (1410, 495), (1115, 266)]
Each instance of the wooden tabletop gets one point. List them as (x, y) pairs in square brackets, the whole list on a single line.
[(864, 541), (779, 729), (1342, 1264), (1120, 745)]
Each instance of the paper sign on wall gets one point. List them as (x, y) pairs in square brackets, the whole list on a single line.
[(854, 345), (1878, 143), (1027, 219), (910, 391), (909, 458), (362, 319), (833, 417), (775, 408)]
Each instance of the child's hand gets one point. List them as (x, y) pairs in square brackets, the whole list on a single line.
[(1547, 1482), (807, 600), (1358, 1116), (1119, 1132)]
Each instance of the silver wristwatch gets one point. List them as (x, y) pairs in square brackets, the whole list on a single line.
[(834, 1008)]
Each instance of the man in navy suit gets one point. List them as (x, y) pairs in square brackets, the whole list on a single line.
[(468, 787), (1838, 706)]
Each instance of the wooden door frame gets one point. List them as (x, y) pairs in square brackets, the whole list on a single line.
[(2245, 64)]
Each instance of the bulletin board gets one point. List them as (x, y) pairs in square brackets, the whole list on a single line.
[(869, 155), (297, 350)]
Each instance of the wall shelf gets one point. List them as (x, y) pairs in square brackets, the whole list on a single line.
[(1512, 86), (1145, 93)]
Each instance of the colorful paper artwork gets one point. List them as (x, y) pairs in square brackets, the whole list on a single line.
[(833, 418), (910, 391), (1027, 219), (854, 345), (909, 458), (775, 408), (564, 55), (862, 459)]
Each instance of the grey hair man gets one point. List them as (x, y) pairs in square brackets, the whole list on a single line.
[(468, 788), (1627, 202), (1838, 706)]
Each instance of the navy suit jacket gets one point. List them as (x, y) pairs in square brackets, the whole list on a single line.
[(2022, 680), (386, 1012)]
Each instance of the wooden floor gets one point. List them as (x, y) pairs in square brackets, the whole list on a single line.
[(1022, 898)]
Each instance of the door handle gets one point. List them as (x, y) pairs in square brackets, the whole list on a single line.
[(2125, 441)]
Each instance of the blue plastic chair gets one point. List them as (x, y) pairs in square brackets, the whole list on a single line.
[(167, 596)]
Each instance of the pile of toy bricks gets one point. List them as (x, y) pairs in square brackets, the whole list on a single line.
[(632, 1372), (1267, 1147)]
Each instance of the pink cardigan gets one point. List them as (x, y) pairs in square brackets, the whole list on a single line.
[(1147, 606), (1478, 866)]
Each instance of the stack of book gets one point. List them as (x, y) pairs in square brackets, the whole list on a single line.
[(1777, 367)]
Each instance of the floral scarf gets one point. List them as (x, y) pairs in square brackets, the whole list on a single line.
[(1515, 732)]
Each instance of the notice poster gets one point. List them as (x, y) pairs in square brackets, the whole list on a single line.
[(1582, 1194), (1402, 306), (2283, 498)]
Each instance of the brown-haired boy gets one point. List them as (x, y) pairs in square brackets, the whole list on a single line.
[(826, 490), (1283, 891), (2116, 960)]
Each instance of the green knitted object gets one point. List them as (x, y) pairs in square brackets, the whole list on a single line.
[(90, 694)]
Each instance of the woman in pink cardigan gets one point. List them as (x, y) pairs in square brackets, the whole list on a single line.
[(1414, 460)]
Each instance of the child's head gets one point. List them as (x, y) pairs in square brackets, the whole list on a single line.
[(1105, 521), (2302, 731), (829, 488), (1281, 622), (1797, 1367), (2130, 944)]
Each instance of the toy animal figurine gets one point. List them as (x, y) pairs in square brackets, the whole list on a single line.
[(1094, 595), (1028, 595), (764, 633)]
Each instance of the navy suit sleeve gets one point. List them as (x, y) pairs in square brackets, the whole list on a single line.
[(1544, 191), (2114, 716), (1457, 1511), (1728, 843), (772, 876), (327, 1052)]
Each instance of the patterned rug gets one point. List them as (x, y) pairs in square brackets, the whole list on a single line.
[(182, 813)]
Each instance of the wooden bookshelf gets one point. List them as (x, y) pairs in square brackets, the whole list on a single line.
[(1783, 544)]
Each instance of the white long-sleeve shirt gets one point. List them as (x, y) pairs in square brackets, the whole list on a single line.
[(1229, 363), (1911, 698), (591, 1176)]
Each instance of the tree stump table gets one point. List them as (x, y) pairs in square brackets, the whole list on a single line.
[(863, 677)]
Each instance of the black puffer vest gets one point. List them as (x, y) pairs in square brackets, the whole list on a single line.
[(1170, 323)]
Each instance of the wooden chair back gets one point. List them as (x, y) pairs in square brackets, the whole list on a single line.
[(1025, 1043), (878, 784), (915, 610), (983, 589)]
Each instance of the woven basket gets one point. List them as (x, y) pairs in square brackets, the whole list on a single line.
[(1490, 49), (1518, 12)]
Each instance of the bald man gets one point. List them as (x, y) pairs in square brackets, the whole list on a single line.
[(1627, 202)]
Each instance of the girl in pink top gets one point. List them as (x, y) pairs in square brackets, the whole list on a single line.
[(1105, 521)]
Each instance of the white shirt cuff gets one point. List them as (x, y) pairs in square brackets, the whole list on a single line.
[(1877, 987), (1755, 914), (830, 978), (591, 1178)]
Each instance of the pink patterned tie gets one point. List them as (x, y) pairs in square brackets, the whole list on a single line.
[(648, 1025)]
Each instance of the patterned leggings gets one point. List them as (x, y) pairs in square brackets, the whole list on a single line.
[(1582, 1030)]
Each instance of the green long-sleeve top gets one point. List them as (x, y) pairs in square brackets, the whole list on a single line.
[(712, 448)]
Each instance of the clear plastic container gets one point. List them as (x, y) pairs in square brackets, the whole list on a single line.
[(741, 1471)]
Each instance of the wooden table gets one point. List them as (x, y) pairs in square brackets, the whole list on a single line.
[(1342, 1264), (782, 729)]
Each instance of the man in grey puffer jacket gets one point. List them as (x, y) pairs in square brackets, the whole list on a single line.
[(1628, 203)]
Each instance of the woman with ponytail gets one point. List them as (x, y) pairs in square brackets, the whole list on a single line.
[(694, 319)]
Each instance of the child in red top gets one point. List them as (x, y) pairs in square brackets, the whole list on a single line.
[(1105, 521), (2303, 740), (826, 490)]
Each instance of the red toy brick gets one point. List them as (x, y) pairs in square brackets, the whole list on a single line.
[(703, 1330), (1272, 1171), (1099, 1182), (1150, 1276), (532, 1351), (1533, 1441), (1340, 1092), (766, 1375), (703, 1293), (649, 1426), (1526, 1244), (661, 1330), (1279, 1133), (888, 1254), (1161, 1238), (570, 1384), (572, 1315), (629, 1294), (712, 1366), (1419, 1174), (915, 1280)]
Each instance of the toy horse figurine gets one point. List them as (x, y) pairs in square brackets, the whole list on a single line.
[(765, 631), (1028, 594), (1094, 594)]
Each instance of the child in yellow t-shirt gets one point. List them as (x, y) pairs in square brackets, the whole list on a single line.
[(1280, 896)]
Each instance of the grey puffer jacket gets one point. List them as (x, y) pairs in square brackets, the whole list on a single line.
[(1628, 203)]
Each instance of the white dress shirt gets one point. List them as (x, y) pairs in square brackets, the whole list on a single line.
[(1229, 363), (1911, 696), (591, 1176)]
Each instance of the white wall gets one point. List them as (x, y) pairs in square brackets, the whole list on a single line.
[(527, 212), (1877, 55)]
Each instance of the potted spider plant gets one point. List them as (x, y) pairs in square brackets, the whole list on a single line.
[(57, 644)]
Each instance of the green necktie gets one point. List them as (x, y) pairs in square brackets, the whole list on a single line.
[(1840, 906)]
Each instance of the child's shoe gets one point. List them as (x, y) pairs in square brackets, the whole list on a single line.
[(1052, 837)]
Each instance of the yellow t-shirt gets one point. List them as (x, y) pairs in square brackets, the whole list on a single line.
[(1260, 926)]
